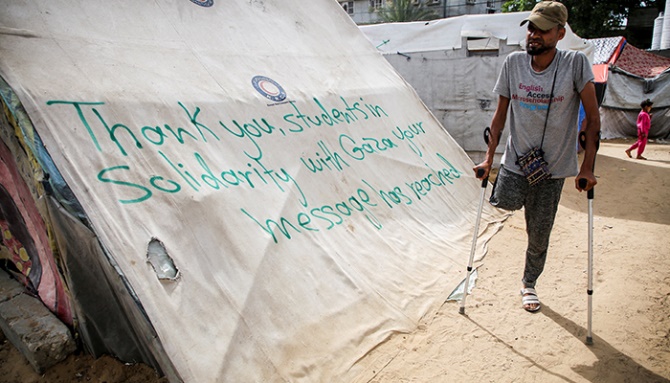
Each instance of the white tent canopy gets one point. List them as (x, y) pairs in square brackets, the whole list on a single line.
[(310, 204), (446, 34)]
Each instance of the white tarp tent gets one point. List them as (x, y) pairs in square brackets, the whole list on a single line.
[(453, 64), (310, 204), (447, 34)]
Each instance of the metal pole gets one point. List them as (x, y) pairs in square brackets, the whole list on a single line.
[(589, 288), (485, 182)]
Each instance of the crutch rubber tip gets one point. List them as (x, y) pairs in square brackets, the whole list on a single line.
[(461, 310), (589, 340)]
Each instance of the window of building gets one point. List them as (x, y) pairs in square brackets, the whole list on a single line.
[(376, 4), (348, 6)]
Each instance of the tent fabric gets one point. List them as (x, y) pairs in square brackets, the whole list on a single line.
[(618, 123), (101, 324), (626, 92), (640, 63), (600, 73), (309, 202), (629, 76), (116, 325), (457, 89), (607, 49), (621, 105)]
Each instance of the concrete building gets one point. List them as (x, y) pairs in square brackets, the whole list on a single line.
[(364, 11)]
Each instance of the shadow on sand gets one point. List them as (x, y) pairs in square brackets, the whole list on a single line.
[(612, 366)]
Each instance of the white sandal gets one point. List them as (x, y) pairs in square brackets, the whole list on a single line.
[(529, 297)]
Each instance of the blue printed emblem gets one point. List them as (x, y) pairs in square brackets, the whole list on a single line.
[(269, 88), (203, 3)]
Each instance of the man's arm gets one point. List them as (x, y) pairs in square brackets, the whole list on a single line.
[(497, 126), (592, 130)]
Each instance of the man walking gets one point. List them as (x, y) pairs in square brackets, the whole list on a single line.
[(541, 89)]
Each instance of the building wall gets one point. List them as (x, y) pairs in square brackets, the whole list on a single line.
[(363, 11)]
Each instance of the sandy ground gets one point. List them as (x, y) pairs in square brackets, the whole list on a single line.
[(497, 341)]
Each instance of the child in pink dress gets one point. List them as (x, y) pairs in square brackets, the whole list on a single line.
[(643, 125)]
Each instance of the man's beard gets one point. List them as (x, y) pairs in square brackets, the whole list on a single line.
[(534, 51)]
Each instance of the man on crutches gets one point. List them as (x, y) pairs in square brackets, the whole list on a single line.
[(542, 88)]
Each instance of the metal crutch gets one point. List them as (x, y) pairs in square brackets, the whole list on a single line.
[(589, 289), (485, 182)]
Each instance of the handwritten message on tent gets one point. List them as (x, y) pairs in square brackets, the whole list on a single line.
[(309, 200), (207, 129)]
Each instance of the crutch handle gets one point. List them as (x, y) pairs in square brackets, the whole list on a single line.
[(582, 184), (480, 173)]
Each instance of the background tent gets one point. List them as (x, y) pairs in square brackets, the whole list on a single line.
[(454, 63), (631, 75), (233, 191), (607, 50)]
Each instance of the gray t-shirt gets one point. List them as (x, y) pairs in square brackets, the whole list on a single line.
[(529, 92)]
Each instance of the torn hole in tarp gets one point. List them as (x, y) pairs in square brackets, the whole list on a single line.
[(162, 263), (457, 294)]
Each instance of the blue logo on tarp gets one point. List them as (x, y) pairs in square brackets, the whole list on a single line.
[(269, 88), (203, 3)]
